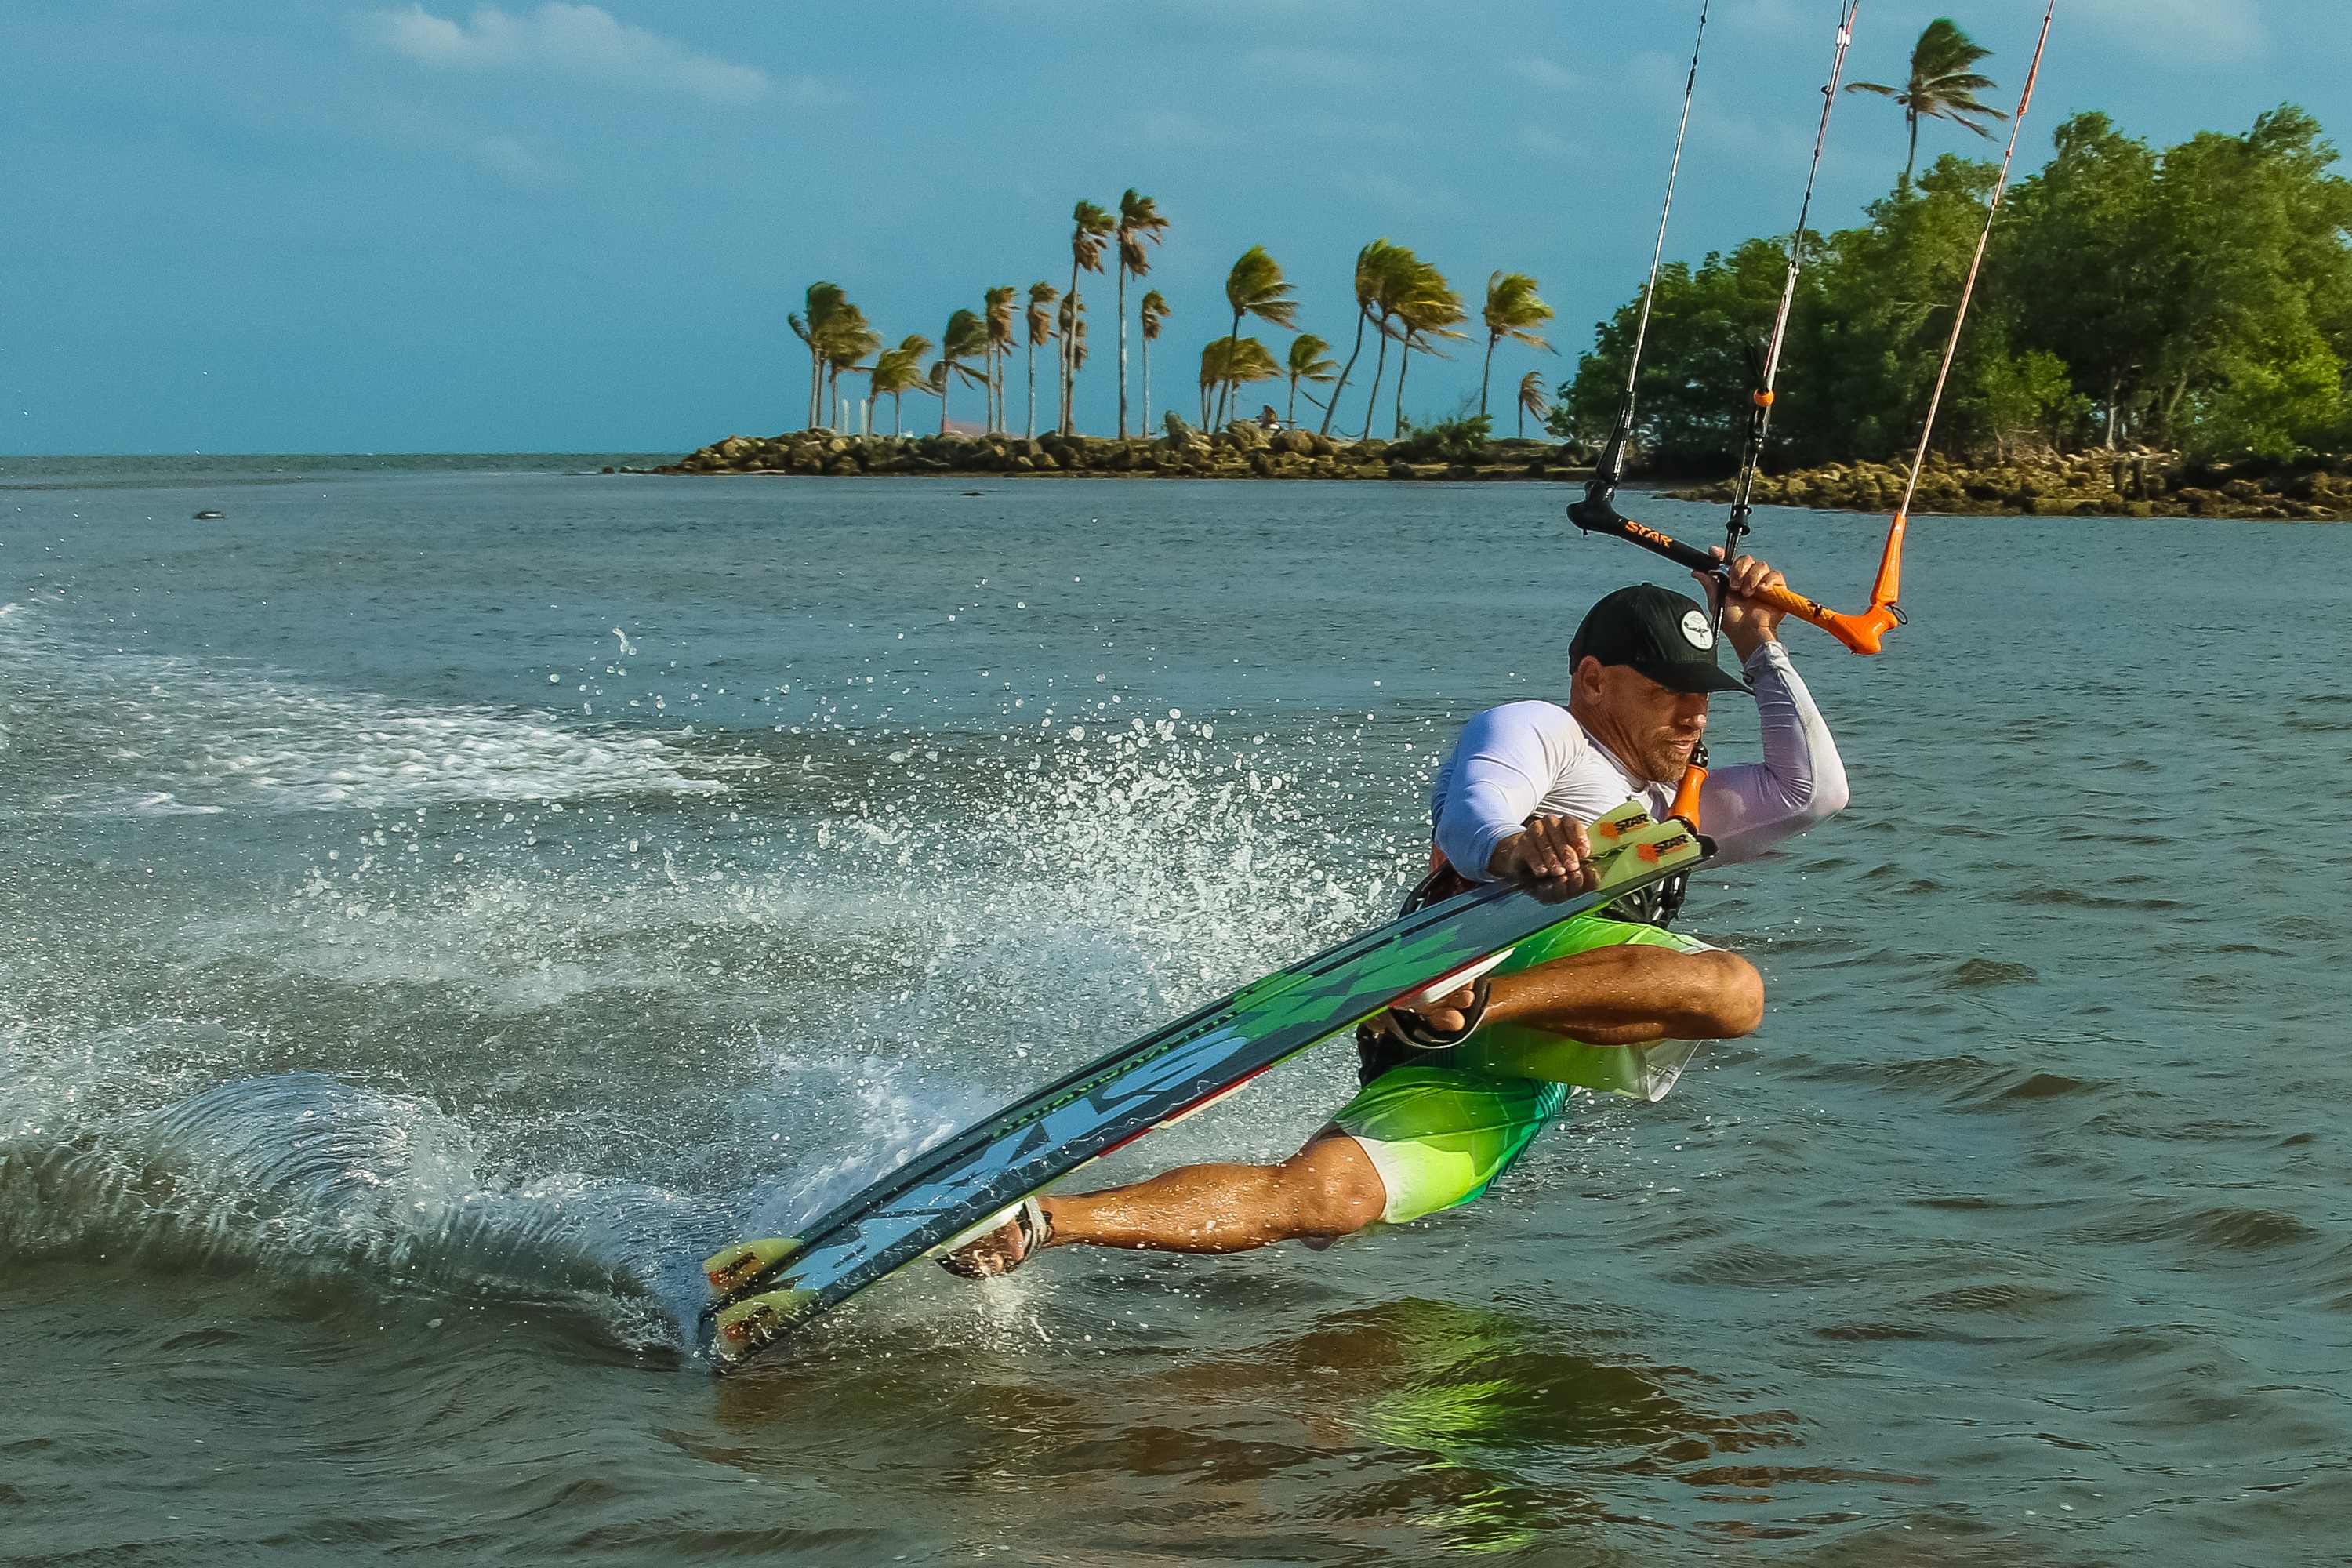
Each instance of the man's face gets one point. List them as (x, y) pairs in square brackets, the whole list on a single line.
[(1648, 725)]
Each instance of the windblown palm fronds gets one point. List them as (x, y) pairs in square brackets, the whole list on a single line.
[(1513, 310), (1254, 287), (1139, 220), (1305, 362), (1229, 363), (1091, 227), (1150, 314), (1943, 86)]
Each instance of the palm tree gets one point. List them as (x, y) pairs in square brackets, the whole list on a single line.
[(997, 312), (1306, 363), (897, 371), (1090, 224), (1071, 322), (1139, 220), (1398, 274), (1942, 87), (935, 383), (846, 341), (1255, 287), (824, 302), (966, 337), (1229, 363), (1150, 314), (1041, 330), (1512, 311), (1427, 311), (1371, 263), (1531, 399)]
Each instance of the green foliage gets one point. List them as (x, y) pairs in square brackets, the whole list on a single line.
[(1451, 440), (1872, 323), (966, 337), (1236, 362), (2021, 401), (2198, 297), (1691, 400), (1256, 288)]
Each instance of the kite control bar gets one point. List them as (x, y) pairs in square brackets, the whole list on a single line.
[(1598, 513)]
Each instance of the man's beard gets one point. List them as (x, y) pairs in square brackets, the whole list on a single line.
[(1665, 762)]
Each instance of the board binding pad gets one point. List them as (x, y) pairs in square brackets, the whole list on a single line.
[(762, 1290)]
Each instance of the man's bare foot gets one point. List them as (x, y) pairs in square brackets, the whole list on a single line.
[(1006, 1248)]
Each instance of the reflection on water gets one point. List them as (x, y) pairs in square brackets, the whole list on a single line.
[(1461, 1428)]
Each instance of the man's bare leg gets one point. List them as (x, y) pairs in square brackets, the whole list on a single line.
[(1627, 995), (1610, 996), (1326, 1190)]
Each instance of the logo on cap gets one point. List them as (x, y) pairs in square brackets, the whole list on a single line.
[(1696, 631)]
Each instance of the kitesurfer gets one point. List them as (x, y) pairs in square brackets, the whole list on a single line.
[(1454, 1093)]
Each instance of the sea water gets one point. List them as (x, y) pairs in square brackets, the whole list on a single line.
[(446, 900)]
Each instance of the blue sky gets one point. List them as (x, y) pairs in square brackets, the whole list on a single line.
[(277, 226)]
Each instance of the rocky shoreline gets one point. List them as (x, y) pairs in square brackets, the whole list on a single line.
[(1240, 451), (2087, 484)]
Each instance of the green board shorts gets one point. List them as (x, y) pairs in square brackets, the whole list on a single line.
[(1439, 1135)]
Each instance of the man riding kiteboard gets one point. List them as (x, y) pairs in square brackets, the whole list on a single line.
[(1454, 1092)]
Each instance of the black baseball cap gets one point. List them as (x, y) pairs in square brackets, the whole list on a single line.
[(1659, 633)]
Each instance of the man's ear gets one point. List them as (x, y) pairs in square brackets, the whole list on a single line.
[(1584, 680)]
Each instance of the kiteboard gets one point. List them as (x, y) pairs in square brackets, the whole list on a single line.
[(763, 1290)]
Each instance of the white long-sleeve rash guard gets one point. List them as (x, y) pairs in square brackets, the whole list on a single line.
[(1525, 759)]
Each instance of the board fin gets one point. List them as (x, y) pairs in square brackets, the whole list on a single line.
[(732, 1270), (749, 1326), (1611, 831)]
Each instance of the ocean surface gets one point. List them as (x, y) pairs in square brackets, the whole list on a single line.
[(443, 899)]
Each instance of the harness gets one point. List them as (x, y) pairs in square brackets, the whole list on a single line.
[(1393, 1039)]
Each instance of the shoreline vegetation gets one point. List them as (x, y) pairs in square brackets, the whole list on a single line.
[(2312, 488), (1242, 450)]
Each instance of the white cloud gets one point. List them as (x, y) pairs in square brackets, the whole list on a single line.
[(573, 40), (810, 92), (1544, 73), (2181, 31), (1546, 143), (512, 162)]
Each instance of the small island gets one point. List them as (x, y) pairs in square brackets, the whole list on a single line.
[(1242, 450)]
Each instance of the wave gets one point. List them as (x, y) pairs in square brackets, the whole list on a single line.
[(643, 1031), (318, 1184), (97, 732)]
